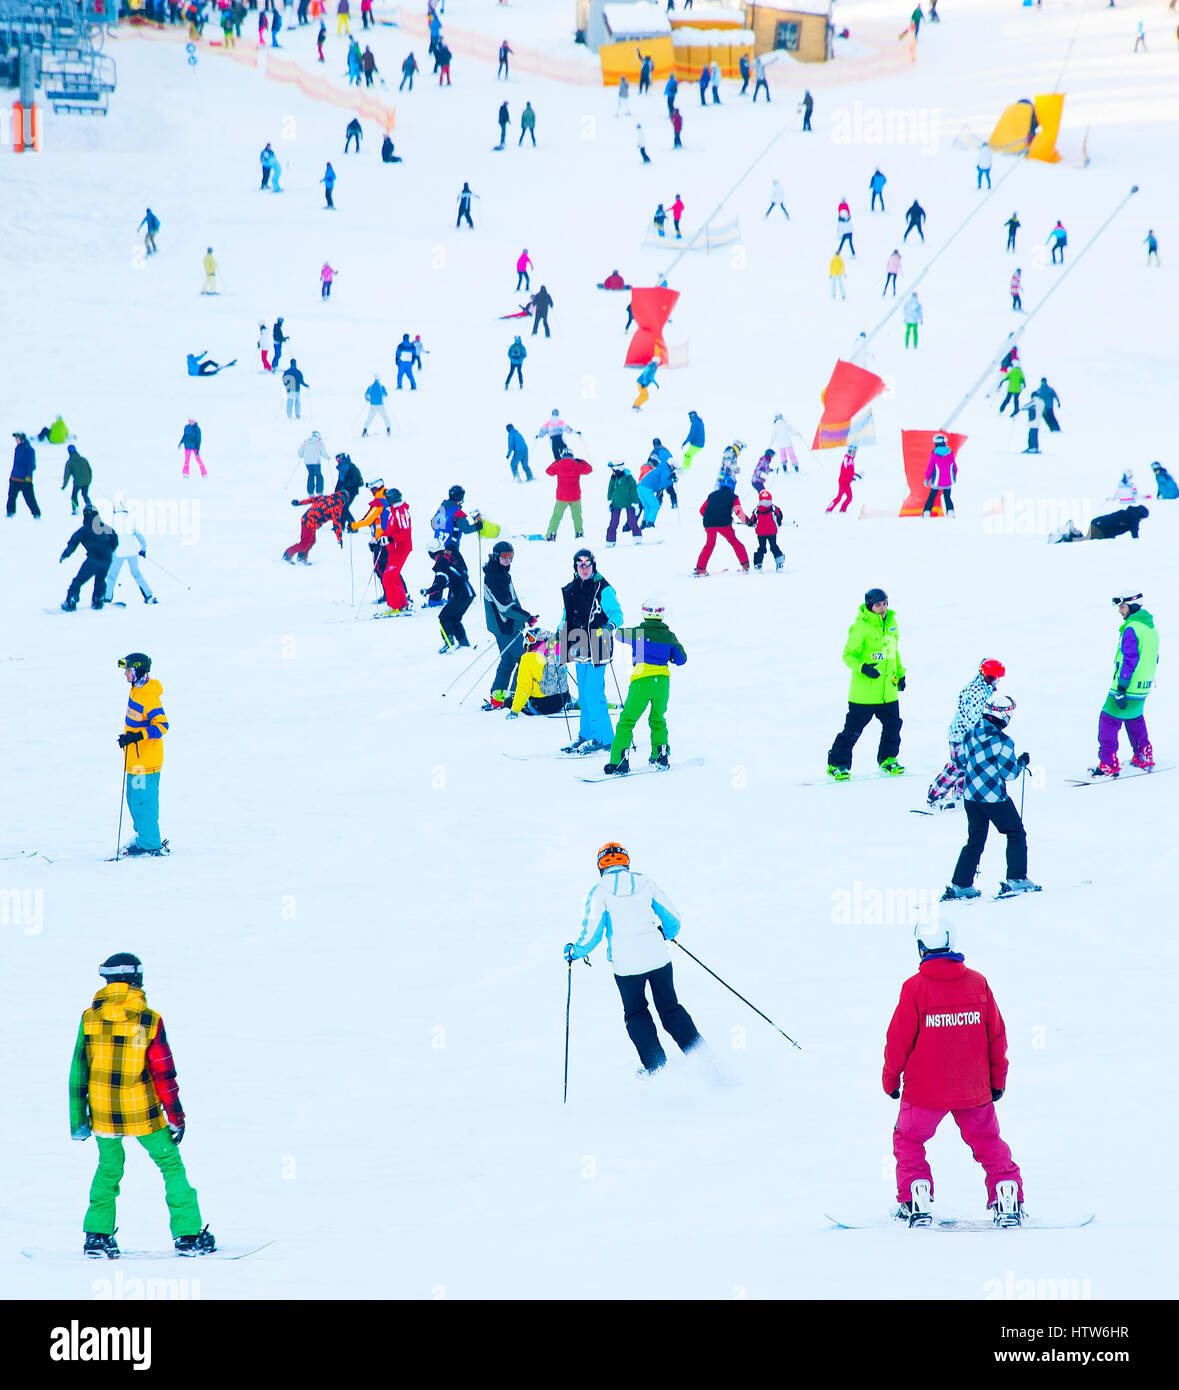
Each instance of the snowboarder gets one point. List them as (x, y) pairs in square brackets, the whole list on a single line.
[(1049, 400), (321, 509), (190, 442), (329, 182), (913, 316), (327, 274), (1114, 524), (940, 474), (555, 429), (693, 441), (872, 653), (517, 352), (152, 223), (523, 279), (914, 221), (718, 510), (313, 456), (375, 395), (293, 382), (654, 649), (129, 550), (79, 472), (506, 619), (210, 268), (892, 269), (353, 131), (1013, 225), (989, 763), (1133, 677), (1016, 289), (982, 165), (766, 520), (404, 359), (876, 185), (645, 378), (1165, 487), (1058, 240), (847, 476), (450, 576), (568, 472), (527, 125), (98, 541), (123, 1084), (464, 206), (634, 915), (541, 303), (142, 742), (948, 1040), (777, 199), (945, 791), (517, 454), (505, 51), (387, 155), (409, 66)]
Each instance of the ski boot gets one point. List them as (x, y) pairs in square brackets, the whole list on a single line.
[(97, 603), (918, 1210), (745, 567), (1143, 757), (1009, 887), (97, 1246), (150, 598), (1007, 1209), (1106, 769), (70, 604), (200, 1244), (618, 769), (779, 562), (497, 700), (577, 745), (699, 574), (954, 891), (891, 768), (839, 774), (644, 1072), (661, 757)]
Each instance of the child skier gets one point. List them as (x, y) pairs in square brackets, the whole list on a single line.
[(945, 791), (940, 475), (766, 520), (450, 577), (326, 275), (761, 470), (847, 476), (1134, 668), (654, 648), (264, 346), (1017, 291)]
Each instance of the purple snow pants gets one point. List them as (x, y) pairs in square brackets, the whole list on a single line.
[(1107, 735)]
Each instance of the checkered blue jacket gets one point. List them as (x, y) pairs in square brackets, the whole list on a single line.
[(990, 763)]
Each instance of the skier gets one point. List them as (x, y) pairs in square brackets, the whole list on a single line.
[(847, 476), (913, 316), (353, 131), (210, 269), (677, 127), (876, 185), (451, 523), (504, 119), (201, 364), (409, 66), (279, 336), (703, 82), (517, 352), (806, 106), (835, 274), (677, 212), (541, 302), (1013, 225), (368, 64), (622, 495), (527, 125), (1152, 247), (945, 791), (1017, 291), (940, 475), (517, 454), (450, 574), (641, 142), (657, 478), (714, 77), (1165, 487), (1014, 381), (762, 470), (1126, 491), (190, 442), (654, 648), (766, 520), (392, 541), (637, 920), (404, 358), (982, 166), (464, 206), (671, 89), (142, 742), (123, 1083), (843, 226), (872, 653), (989, 763), (555, 429), (1058, 240), (79, 472), (777, 199), (1049, 401), (314, 456), (329, 182), (1033, 429), (130, 548), (349, 481), (327, 274), (523, 279), (293, 383), (505, 50), (781, 435), (1134, 668), (646, 67), (645, 378), (443, 55), (892, 269), (719, 509), (319, 41), (375, 395), (264, 346), (693, 441), (98, 541), (760, 84), (323, 508), (568, 472), (505, 617), (948, 1040), (152, 223), (1140, 37), (914, 221)]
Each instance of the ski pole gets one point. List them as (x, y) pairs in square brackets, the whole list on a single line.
[(731, 990), (617, 687), (470, 664), (568, 1005), (1022, 784), (351, 575), (169, 573), (119, 832)]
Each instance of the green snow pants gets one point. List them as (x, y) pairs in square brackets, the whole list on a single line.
[(644, 691), (183, 1212), (559, 512)]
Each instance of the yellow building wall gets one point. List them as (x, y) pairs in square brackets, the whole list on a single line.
[(622, 60)]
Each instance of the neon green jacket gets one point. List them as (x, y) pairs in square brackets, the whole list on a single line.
[(873, 639), (1137, 685)]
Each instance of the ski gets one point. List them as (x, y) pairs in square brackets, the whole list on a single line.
[(1127, 774), (1000, 896), (642, 771), (953, 1223), (563, 757), (223, 1252)]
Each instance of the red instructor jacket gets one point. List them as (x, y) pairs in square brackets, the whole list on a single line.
[(947, 1037)]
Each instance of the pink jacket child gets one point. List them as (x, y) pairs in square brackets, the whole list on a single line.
[(940, 474), (326, 276), (523, 264)]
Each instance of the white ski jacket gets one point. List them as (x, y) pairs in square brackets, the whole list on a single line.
[(634, 915)]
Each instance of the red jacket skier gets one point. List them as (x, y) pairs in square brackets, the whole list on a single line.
[(847, 476), (327, 507), (948, 1040), (765, 521)]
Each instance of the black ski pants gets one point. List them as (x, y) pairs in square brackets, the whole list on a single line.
[(760, 555), (22, 487), (858, 718), (91, 569), (511, 648), (980, 816), (640, 1026), (451, 618)]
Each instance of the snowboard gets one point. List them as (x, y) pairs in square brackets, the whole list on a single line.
[(861, 777), (1127, 774), (223, 1252), (644, 770), (953, 1223)]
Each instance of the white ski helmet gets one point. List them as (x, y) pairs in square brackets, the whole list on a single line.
[(999, 708), (653, 609), (932, 937)]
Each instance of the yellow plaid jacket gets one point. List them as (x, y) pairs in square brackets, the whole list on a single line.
[(122, 1079)]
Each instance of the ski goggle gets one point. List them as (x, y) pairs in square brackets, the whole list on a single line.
[(587, 559), (1117, 602), (653, 611)]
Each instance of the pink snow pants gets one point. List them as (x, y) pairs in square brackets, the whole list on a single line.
[(189, 455), (979, 1127)]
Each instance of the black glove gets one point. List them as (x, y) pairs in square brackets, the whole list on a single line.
[(61, 561), (177, 1131), (1120, 699), (533, 619), (130, 737), (1024, 759), (143, 554), (867, 669), (901, 683), (295, 502), (895, 1095), (996, 1094)]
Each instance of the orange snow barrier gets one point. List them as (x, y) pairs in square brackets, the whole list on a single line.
[(848, 394), (1048, 113), (916, 446), (318, 88), (652, 309)]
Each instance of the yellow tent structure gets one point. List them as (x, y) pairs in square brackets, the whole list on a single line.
[(1013, 131)]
